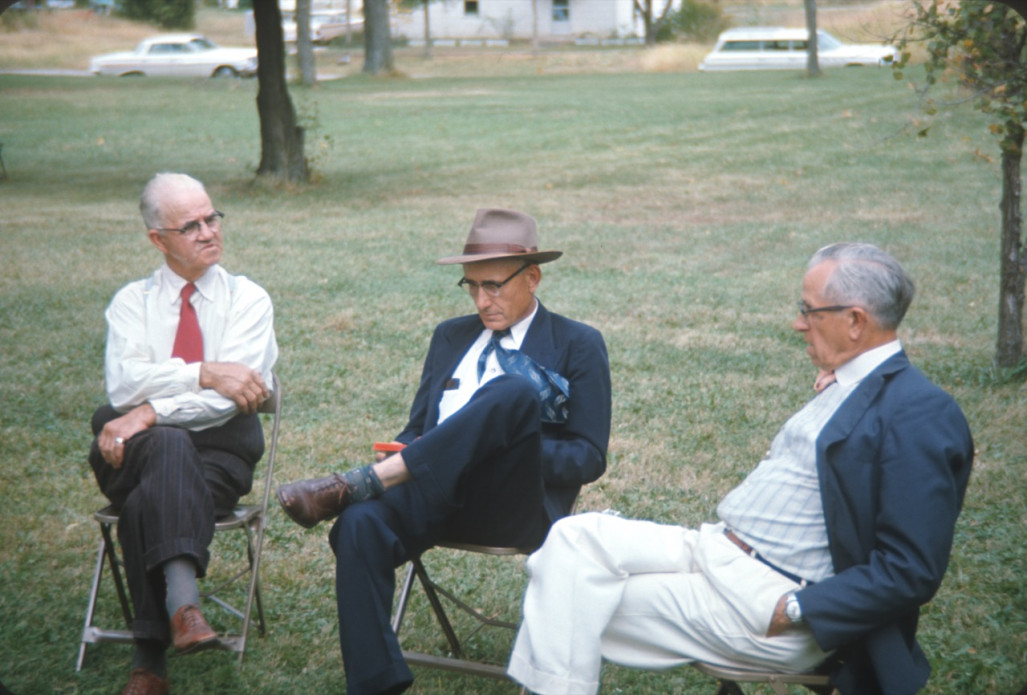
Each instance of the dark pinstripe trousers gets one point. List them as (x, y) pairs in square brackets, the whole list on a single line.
[(169, 491)]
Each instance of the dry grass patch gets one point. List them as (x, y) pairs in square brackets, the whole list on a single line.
[(673, 57)]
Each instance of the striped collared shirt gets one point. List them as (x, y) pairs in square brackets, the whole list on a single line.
[(778, 509)]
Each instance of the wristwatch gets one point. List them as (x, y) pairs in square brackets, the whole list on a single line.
[(793, 610)]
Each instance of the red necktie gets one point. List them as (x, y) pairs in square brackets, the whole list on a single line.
[(188, 339)]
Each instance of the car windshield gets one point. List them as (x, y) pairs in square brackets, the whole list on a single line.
[(826, 42)]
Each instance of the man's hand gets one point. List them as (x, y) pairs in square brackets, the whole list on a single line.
[(237, 382), (780, 623), (119, 430)]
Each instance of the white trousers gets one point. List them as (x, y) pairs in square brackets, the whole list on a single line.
[(649, 596)]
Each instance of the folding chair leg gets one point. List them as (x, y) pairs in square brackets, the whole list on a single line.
[(119, 582), (101, 554), (105, 554), (437, 608)]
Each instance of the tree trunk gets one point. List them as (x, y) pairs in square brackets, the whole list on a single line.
[(427, 32), (812, 56), (647, 16), (377, 39), (534, 27), (349, 22), (1011, 276), (305, 44), (281, 140)]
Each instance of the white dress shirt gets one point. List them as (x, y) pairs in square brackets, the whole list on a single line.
[(466, 373), (237, 321)]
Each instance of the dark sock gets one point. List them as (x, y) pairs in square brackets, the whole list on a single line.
[(150, 654), (364, 483)]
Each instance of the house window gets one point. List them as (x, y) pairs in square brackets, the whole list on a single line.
[(561, 10), (470, 6)]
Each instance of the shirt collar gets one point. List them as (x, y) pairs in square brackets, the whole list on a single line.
[(173, 282), (520, 329), (856, 369)]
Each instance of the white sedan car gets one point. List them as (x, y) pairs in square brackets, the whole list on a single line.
[(776, 48), (178, 55)]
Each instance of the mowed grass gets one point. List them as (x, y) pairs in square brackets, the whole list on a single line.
[(686, 204)]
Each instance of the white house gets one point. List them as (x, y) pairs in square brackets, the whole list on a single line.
[(472, 22), (487, 20)]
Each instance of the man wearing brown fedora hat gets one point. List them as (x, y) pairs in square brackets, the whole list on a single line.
[(511, 418)]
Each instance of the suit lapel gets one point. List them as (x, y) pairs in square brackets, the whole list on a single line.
[(539, 342), (841, 425)]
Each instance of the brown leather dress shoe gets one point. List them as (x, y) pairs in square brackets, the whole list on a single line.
[(309, 502), (145, 682), (190, 632)]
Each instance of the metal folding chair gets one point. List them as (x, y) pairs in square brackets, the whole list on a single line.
[(458, 660), (249, 518), (730, 678)]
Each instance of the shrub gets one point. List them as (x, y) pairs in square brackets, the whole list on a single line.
[(169, 14), (696, 21)]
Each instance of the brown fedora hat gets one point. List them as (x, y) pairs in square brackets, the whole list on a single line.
[(498, 233)]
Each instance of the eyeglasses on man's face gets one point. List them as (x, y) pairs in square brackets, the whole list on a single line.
[(213, 222), (805, 309), (489, 287)]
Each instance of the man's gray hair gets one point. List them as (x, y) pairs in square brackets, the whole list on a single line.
[(157, 191), (868, 277)]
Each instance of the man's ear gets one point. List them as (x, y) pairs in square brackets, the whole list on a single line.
[(859, 322), (157, 239), (534, 273)]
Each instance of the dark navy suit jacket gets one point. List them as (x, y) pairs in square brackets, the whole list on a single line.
[(573, 453), (893, 462)]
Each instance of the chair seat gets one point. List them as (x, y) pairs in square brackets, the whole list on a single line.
[(240, 516)]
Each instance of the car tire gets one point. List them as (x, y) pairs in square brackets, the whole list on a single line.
[(225, 71)]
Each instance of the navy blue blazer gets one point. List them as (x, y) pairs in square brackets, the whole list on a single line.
[(573, 453), (893, 463)]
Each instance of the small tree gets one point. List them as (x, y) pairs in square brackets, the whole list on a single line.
[(305, 44), (983, 45), (651, 18), (812, 47)]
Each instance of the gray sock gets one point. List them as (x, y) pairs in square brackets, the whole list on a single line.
[(180, 578)]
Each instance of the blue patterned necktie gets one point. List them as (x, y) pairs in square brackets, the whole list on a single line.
[(553, 389)]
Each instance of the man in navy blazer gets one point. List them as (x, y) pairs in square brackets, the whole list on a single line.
[(511, 418), (822, 556)]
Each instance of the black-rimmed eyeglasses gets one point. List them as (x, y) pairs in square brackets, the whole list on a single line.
[(489, 287), (213, 222), (805, 309)]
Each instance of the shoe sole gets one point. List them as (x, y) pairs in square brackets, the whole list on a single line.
[(202, 645)]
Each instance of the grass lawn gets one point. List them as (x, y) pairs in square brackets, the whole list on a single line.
[(686, 204)]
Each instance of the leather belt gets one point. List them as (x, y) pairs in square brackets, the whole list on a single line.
[(751, 552)]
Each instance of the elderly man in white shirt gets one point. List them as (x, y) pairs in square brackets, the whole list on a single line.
[(188, 362)]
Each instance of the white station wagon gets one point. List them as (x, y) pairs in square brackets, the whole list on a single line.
[(178, 55), (778, 48)]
